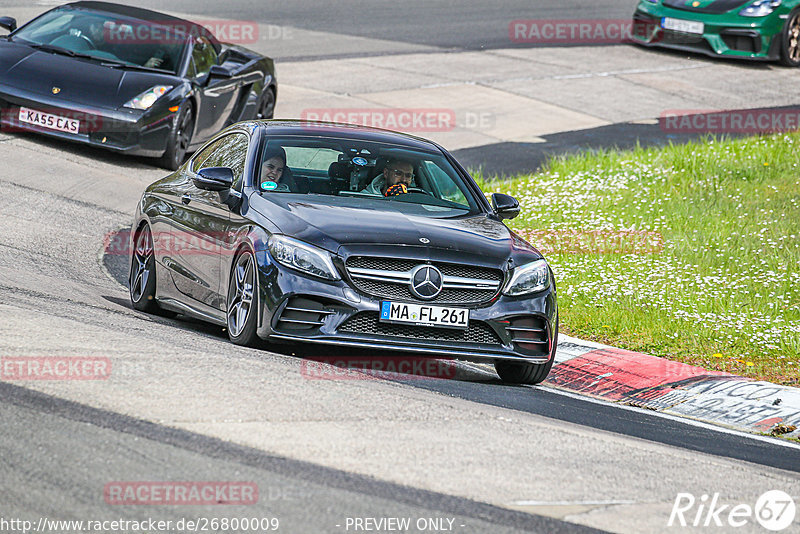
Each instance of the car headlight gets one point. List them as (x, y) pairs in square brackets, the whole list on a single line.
[(302, 256), (148, 98), (528, 278), (760, 8)]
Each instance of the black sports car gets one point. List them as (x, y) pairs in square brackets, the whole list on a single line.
[(128, 79), (313, 232)]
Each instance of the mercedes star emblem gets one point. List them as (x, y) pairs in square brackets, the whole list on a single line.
[(426, 282)]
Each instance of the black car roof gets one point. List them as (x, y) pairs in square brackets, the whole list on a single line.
[(346, 131), (147, 15)]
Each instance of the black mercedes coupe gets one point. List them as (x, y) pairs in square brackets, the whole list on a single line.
[(292, 231), (128, 79)]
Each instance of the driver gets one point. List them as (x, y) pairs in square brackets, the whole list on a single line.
[(395, 179), (89, 29), (95, 33)]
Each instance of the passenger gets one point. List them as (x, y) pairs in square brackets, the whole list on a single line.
[(394, 180), (274, 163), (274, 170)]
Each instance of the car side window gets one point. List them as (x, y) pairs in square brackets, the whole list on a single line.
[(232, 154), (203, 56), (229, 151), (191, 72), (444, 184), (203, 155), (316, 159)]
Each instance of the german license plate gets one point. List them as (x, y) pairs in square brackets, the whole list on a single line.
[(684, 26), (49, 121), (424, 315)]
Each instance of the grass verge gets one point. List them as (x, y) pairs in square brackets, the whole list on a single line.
[(689, 252)]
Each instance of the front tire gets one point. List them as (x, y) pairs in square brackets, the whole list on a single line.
[(266, 107), (179, 139), (527, 373), (242, 310), (142, 277), (790, 40)]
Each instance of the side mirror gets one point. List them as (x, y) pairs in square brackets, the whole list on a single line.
[(218, 71), (8, 23), (214, 179), (506, 206)]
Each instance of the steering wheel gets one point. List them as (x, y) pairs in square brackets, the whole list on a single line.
[(88, 40), (418, 190)]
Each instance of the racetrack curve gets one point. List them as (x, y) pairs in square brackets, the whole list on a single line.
[(182, 403), (526, 449)]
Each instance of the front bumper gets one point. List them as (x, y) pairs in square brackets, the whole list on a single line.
[(727, 34), (505, 328), (127, 131)]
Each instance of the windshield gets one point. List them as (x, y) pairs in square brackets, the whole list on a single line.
[(108, 37), (366, 174)]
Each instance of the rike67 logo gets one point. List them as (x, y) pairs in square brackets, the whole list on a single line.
[(774, 510)]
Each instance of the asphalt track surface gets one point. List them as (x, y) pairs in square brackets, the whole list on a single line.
[(571, 408), (305, 497), (320, 452), (553, 404), (458, 25)]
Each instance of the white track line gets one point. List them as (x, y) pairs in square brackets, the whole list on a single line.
[(569, 503)]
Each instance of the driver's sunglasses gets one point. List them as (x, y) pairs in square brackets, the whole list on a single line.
[(400, 174)]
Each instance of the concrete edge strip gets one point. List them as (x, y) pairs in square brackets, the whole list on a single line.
[(644, 381)]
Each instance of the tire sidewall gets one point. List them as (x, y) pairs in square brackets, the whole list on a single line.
[(268, 93), (171, 158), (528, 373), (147, 302), (248, 335), (785, 40)]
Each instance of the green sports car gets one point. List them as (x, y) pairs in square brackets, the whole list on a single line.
[(752, 29)]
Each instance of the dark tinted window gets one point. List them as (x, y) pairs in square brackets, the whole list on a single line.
[(199, 159), (191, 72), (364, 173), (229, 151), (108, 37), (203, 55)]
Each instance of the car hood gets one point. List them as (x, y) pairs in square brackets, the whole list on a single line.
[(346, 230), (81, 82), (707, 6)]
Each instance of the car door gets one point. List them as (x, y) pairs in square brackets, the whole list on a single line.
[(200, 224), (236, 160), (217, 94)]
